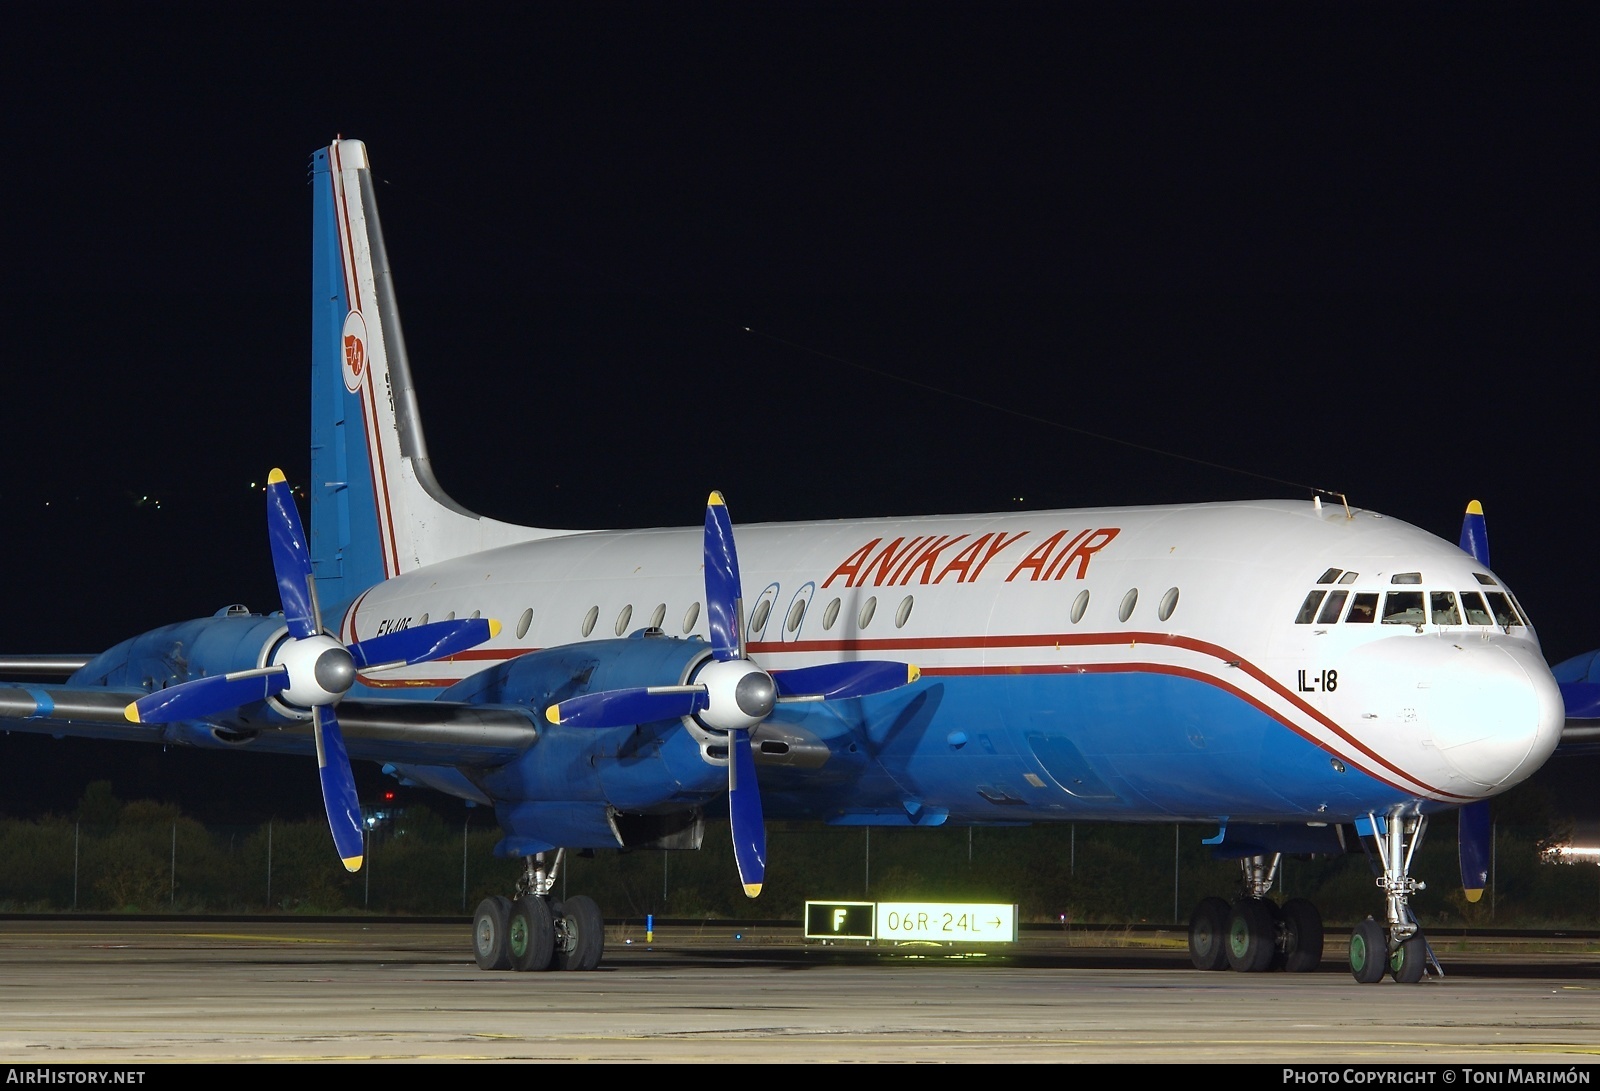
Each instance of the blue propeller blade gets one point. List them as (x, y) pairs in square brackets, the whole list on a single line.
[(627, 707), (837, 681), (1475, 534), (201, 697), (338, 788), (291, 560), (744, 814), (724, 595), (1473, 846), (422, 643), (1473, 835)]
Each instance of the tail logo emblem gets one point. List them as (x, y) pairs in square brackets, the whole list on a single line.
[(355, 350)]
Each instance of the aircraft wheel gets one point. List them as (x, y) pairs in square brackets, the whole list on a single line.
[(1208, 935), (1302, 936), (1369, 945), (532, 934), (1409, 960), (490, 928), (1252, 936), (580, 934)]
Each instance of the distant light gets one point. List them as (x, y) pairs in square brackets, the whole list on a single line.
[(1575, 854)]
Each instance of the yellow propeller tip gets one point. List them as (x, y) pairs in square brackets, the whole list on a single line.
[(751, 890), (1474, 508), (353, 863), (552, 715), (913, 672), (276, 477), (132, 713), (1473, 895), (494, 628), (715, 499)]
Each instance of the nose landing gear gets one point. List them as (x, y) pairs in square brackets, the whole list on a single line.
[(1396, 946)]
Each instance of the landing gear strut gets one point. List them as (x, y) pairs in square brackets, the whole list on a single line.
[(534, 931), (1255, 934), (1397, 945)]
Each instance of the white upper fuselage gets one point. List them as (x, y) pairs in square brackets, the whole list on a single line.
[(1442, 709)]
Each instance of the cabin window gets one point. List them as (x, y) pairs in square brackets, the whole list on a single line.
[(1442, 604), (797, 614), (423, 620), (758, 616), (1330, 575), (1169, 603), (903, 613), (476, 614), (1349, 577), (523, 622), (1364, 608), (589, 619), (658, 616), (690, 616), (1079, 605), (1505, 615), (868, 608), (1332, 608), (451, 616), (1126, 609), (1403, 608), (830, 615), (1472, 605), (624, 616), (1406, 577), (1308, 608)]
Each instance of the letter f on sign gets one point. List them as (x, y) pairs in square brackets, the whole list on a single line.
[(838, 919)]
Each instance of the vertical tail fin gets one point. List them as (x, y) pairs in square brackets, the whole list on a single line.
[(376, 508)]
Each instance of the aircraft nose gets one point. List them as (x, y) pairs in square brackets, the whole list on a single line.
[(1497, 714)]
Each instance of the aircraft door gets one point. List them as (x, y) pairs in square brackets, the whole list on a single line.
[(794, 618)]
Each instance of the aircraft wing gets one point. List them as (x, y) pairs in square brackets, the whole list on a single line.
[(401, 731)]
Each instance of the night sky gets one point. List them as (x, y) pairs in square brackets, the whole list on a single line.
[(834, 260)]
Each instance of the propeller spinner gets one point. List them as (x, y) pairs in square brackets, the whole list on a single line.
[(732, 694), (311, 669)]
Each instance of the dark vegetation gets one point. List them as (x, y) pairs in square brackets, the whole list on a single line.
[(147, 857)]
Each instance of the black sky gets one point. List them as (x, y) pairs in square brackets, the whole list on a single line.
[(1339, 245)]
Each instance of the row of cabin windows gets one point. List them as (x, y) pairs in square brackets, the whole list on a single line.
[(830, 614), (1323, 607)]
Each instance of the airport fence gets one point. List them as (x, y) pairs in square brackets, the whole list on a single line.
[(144, 857)]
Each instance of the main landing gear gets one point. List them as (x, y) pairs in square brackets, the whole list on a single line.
[(535, 931), (1396, 946), (1255, 934)]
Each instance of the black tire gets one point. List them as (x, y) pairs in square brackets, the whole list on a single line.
[(490, 926), (1409, 960), (1252, 936), (580, 934), (1208, 934), (531, 935), (1369, 952), (1302, 936)]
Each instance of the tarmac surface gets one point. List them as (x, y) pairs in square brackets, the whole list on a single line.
[(136, 993)]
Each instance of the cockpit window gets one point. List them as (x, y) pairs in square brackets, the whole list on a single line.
[(1443, 606), (1350, 577), (1308, 609), (1472, 605), (1505, 615), (1484, 578), (1403, 608), (1364, 608), (1406, 577), (1330, 575), (1332, 608)]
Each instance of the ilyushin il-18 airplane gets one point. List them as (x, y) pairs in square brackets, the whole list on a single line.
[(1297, 677)]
